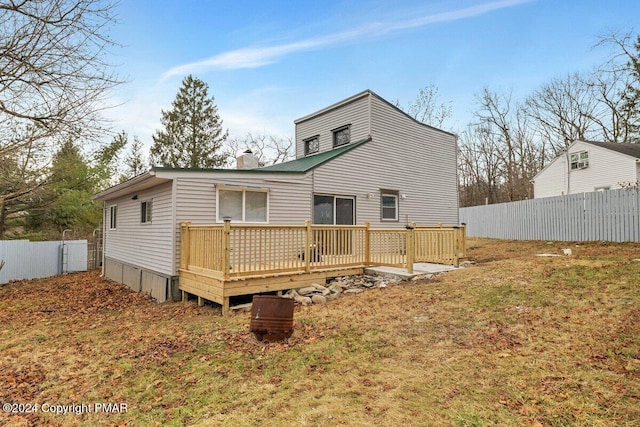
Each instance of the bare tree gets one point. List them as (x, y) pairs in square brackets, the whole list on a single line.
[(269, 149), (480, 173), (54, 78), (427, 108), (500, 153), (622, 94), (564, 110)]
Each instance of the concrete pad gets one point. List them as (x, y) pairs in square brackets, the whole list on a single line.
[(419, 269)]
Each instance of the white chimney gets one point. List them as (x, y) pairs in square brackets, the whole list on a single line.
[(247, 160)]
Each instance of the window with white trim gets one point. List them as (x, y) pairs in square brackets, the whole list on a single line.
[(389, 206), (113, 216), (145, 211), (243, 205), (579, 160)]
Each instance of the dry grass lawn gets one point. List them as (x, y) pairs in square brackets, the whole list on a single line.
[(514, 340)]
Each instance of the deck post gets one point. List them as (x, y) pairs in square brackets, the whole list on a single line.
[(367, 243), (226, 243), (410, 250), (225, 306), (185, 244), (307, 246), (463, 240)]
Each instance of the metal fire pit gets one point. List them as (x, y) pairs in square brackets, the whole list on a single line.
[(271, 318)]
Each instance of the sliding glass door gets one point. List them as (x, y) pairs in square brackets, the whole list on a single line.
[(334, 210)]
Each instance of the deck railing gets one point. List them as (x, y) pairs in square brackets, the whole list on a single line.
[(228, 250)]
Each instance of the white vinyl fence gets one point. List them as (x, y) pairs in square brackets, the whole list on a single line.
[(604, 215), (22, 259)]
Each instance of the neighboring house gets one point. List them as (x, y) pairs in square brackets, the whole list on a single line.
[(359, 160), (589, 166)]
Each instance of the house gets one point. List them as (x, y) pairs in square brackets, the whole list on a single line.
[(361, 160), (589, 166)]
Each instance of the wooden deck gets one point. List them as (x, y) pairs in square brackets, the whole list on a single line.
[(220, 261)]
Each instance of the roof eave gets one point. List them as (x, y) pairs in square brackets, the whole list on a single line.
[(338, 104), (137, 183)]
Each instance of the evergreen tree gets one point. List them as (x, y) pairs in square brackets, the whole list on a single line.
[(133, 161), (193, 136), (65, 202)]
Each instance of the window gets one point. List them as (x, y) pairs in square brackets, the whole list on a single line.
[(242, 205), (579, 160), (333, 210), (145, 212), (113, 214), (311, 145), (389, 206), (341, 136)]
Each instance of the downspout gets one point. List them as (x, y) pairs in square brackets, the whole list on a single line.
[(104, 237), (313, 192), (568, 172)]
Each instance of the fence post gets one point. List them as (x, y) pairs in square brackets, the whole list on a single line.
[(456, 247), (307, 246), (185, 245), (226, 246), (410, 250), (367, 243)]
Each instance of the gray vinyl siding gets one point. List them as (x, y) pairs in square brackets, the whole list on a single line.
[(149, 245), (415, 160), (289, 199), (424, 161), (354, 113)]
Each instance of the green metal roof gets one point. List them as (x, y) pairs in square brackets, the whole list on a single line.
[(302, 165), (305, 164)]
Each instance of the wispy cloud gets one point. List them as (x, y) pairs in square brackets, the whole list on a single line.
[(259, 56)]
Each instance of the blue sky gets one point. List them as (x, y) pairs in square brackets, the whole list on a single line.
[(270, 62)]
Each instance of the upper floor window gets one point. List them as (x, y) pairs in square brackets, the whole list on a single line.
[(341, 136), (311, 145), (579, 160), (145, 212), (113, 215)]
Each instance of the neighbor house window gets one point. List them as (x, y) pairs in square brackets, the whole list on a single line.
[(311, 145), (242, 205), (389, 206), (145, 212), (341, 136), (579, 160), (113, 215)]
